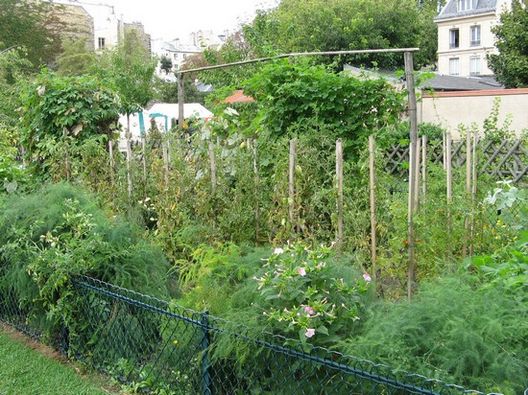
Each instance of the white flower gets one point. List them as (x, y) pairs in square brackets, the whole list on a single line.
[(367, 277), (278, 251), (310, 332), (301, 271)]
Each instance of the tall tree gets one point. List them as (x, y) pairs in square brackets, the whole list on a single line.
[(30, 24), (510, 65), (129, 69), (75, 59)]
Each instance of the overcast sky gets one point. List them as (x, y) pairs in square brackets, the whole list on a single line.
[(169, 19)]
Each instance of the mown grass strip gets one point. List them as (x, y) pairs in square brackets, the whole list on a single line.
[(25, 371)]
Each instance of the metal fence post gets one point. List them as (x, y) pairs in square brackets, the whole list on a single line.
[(204, 345)]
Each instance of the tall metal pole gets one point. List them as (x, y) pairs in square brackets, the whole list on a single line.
[(413, 120), (181, 100)]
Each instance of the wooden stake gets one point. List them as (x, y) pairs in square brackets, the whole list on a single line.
[(424, 167), (253, 144), (129, 160), (449, 168), (373, 224), (473, 193), (467, 218), (212, 161), (339, 180), (449, 188), (181, 100), (444, 157), (291, 182), (417, 164), (413, 120), (165, 154), (144, 159)]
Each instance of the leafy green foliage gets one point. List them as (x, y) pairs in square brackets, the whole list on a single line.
[(129, 71), (510, 65), (75, 58), (62, 112), (321, 25), (59, 232), (471, 336), (32, 25), (302, 295), (294, 96)]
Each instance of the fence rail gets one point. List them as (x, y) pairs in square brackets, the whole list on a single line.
[(159, 346)]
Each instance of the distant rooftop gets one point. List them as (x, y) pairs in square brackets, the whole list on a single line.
[(451, 10), (453, 83)]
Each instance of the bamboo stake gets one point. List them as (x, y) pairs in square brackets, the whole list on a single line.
[(212, 161), (339, 180), (413, 120), (424, 167), (373, 224), (291, 181)]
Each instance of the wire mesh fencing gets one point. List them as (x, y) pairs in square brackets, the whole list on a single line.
[(158, 347)]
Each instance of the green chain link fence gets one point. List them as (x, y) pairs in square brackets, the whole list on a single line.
[(160, 348)]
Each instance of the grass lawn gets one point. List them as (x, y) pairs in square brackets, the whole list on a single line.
[(27, 368)]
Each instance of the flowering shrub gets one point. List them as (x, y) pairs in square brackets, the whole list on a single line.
[(309, 294)]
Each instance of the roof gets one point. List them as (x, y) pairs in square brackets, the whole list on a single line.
[(450, 10), (238, 97), (453, 83)]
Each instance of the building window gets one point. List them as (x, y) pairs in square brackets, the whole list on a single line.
[(454, 66), (474, 65), (464, 5), (475, 35), (101, 43), (454, 36)]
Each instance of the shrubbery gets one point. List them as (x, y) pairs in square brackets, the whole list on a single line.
[(49, 237)]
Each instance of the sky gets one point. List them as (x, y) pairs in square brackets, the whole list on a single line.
[(168, 19)]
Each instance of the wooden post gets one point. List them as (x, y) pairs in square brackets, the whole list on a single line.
[(181, 100), (424, 167), (444, 157), (112, 165), (467, 218), (291, 182), (144, 159), (473, 193), (129, 160), (449, 168), (373, 224), (257, 186), (165, 154), (449, 188), (212, 161), (413, 120), (339, 180), (417, 165)]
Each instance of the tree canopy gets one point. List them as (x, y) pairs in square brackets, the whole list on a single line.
[(510, 65), (30, 24)]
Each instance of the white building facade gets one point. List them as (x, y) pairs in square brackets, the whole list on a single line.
[(465, 36)]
